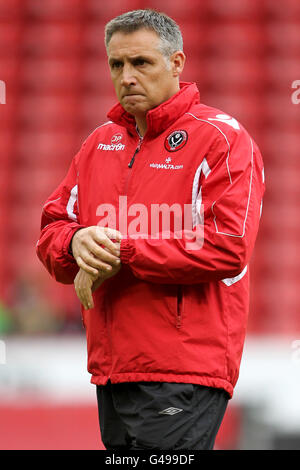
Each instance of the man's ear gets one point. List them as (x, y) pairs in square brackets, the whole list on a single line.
[(177, 60)]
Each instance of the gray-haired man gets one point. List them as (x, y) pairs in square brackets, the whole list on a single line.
[(165, 321)]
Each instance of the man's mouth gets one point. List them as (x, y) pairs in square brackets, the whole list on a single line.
[(131, 94)]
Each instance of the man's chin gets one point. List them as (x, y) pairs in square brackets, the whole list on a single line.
[(135, 109)]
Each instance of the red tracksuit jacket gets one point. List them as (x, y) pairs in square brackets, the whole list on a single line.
[(177, 310)]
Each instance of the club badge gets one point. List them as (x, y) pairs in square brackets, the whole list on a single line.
[(176, 140)]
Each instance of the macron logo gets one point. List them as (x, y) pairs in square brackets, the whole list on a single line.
[(111, 147), (226, 119), (170, 411)]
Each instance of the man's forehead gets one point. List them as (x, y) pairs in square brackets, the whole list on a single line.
[(135, 43)]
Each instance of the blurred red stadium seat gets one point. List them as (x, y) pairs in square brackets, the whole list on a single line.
[(289, 9), (96, 76), (279, 109), (8, 114), (10, 68), (46, 148), (12, 9), (235, 10), (193, 69), (180, 11), (109, 10), (282, 144), (194, 36), (284, 180), (49, 110), (235, 74), (10, 37), (94, 109), (55, 9), (32, 186), (52, 74), (93, 38), (8, 145), (282, 37), (281, 71), (234, 39), (52, 39), (5, 185)]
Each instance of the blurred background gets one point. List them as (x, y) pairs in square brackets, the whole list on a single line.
[(244, 55)]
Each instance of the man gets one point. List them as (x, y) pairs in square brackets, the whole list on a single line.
[(164, 304)]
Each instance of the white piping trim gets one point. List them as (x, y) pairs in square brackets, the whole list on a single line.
[(49, 202), (197, 198), (71, 203), (251, 177), (232, 280), (105, 124), (247, 209), (211, 124)]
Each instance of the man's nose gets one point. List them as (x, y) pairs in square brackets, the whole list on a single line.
[(128, 77)]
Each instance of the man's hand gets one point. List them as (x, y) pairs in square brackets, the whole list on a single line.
[(86, 284), (90, 256)]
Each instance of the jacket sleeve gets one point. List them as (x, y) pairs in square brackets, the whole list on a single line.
[(228, 209), (59, 222)]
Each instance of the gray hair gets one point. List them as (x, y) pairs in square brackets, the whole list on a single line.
[(165, 27)]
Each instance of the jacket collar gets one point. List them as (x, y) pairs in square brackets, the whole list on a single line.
[(163, 116)]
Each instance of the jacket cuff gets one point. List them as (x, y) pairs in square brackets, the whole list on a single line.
[(126, 250), (67, 243)]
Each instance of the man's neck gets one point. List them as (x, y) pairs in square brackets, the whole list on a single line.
[(141, 125)]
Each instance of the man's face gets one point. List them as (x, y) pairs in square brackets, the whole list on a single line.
[(139, 71)]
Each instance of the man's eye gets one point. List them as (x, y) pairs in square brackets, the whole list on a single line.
[(139, 62), (116, 65)]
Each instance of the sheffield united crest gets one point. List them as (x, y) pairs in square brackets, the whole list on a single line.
[(176, 140)]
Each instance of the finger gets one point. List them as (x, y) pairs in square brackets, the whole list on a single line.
[(93, 262), (113, 234), (103, 255), (82, 293), (84, 302), (88, 269), (81, 297), (102, 238), (89, 299)]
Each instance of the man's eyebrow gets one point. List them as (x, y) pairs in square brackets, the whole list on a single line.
[(131, 58), (113, 59)]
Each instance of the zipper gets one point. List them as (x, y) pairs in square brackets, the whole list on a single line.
[(179, 307), (130, 164)]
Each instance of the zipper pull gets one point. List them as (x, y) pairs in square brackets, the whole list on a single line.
[(130, 164)]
